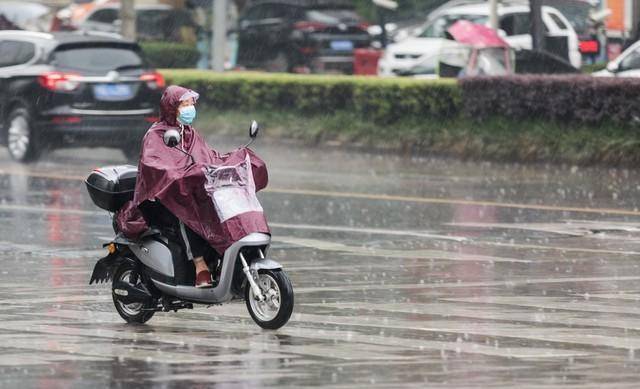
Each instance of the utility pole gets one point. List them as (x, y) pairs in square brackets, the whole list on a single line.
[(537, 27), (383, 6), (128, 19), (493, 14), (219, 38)]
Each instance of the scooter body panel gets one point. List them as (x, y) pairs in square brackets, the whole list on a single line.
[(155, 255), (222, 292)]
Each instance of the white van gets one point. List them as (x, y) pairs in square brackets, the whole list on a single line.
[(426, 42)]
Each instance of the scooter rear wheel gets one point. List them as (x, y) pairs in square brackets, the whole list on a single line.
[(276, 309), (132, 312)]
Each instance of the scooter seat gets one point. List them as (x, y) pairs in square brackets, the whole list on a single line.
[(150, 232)]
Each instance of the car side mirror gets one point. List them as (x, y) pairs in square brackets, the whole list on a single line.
[(171, 138), (502, 33), (613, 67), (254, 129)]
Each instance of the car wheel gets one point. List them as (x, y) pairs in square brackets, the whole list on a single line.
[(21, 137), (279, 64)]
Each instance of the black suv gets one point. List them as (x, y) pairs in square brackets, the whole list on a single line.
[(72, 89), (317, 36)]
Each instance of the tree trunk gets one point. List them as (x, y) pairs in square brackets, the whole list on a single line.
[(537, 26), (128, 19)]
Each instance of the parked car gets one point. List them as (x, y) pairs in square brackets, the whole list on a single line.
[(626, 64), (580, 15), (309, 36), (26, 15), (73, 89), (157, 22), (514, 21)]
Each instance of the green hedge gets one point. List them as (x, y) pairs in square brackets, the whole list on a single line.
[(569, 100), (170, 55), (578, 120), (378, 100)]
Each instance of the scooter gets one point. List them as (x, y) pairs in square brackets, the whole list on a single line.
[(152, 273)]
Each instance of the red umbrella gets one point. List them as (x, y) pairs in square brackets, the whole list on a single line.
[(476, 35)]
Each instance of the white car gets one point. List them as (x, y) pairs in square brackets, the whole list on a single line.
[(427, 41), (626, 65)]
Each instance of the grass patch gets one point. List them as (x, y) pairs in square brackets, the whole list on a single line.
[(494, 139)]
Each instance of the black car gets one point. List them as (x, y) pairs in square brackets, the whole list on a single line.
[(316, 36), (73, 89)]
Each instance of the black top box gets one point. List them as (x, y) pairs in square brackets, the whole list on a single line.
[(110, 187)]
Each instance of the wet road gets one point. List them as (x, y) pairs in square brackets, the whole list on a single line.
[(407, 273)]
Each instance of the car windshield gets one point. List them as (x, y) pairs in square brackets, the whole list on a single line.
[(577, 12), (97, 59), (631, 61), (332, 16), (438, 27)]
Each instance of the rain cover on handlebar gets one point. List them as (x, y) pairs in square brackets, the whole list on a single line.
[(232, 189)]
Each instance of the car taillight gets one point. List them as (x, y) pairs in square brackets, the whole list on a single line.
[(153, 80), (364, 26), (59, 81), (151, 119), (307, 50), (590, 47), (66, 120), (306, 26)]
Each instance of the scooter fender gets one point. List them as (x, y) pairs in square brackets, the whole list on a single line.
[(105, 268), (266, 264)]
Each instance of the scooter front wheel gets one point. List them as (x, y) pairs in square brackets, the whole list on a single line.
[(275, 310)]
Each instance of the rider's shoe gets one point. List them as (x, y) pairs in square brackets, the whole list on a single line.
[(203, 279)]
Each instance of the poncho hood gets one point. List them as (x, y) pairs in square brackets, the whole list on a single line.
[(170, 101)]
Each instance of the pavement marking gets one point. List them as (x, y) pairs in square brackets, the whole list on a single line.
[(40, 209), (614, 296), (101, 333), (448, 201), (564, 334), (556, 248), (514, 314), (511, 283), (20, 360), (161, 331), (589, 228), (338, 343), (369, 231), (580, 304), (380, 197), (353, 336), (378, 252)]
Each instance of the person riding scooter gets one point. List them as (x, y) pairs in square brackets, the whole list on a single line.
[(170, 188)]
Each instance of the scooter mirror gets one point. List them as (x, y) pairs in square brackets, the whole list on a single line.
[(171, 138), (253, 130)]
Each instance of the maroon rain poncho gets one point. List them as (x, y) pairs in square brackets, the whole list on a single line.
[(165, 174)]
